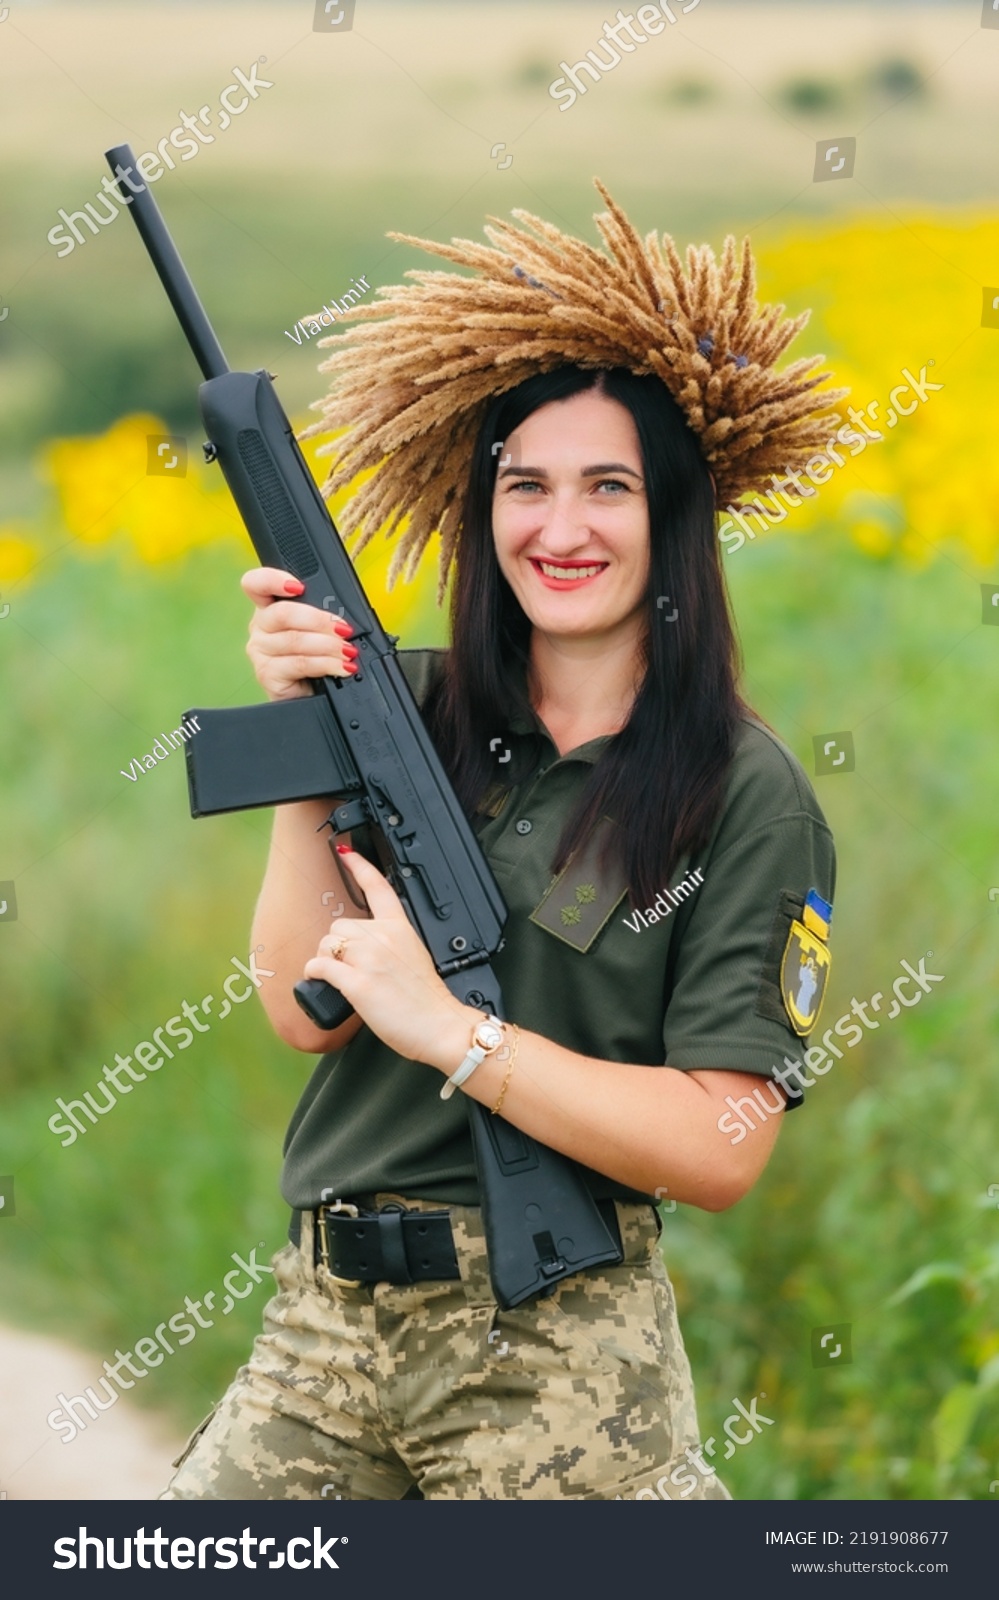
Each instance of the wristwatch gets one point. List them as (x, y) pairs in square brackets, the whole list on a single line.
[(487, 1036)]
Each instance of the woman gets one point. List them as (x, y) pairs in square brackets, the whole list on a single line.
[(656, 846)]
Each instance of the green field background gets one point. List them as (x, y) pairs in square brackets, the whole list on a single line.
[(865, 615)]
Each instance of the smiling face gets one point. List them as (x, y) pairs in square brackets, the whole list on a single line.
[(570, 518)]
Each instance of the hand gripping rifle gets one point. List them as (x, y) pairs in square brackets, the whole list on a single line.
[(361, 740)]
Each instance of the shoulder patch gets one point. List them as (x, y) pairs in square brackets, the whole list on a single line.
[(817, 914), (578, 904), (797, 962), (804, 971)]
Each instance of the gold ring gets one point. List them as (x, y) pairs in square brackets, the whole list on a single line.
[(337, 951)]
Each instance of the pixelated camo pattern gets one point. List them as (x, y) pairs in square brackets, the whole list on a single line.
[(431, 1391)]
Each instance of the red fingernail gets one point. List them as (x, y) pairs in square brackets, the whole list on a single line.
[(350, 651), (344, 629), (351, 666), (343, 849), (293, 586)]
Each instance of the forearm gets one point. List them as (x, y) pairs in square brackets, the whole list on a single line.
[(646, 1127), (291, 916)]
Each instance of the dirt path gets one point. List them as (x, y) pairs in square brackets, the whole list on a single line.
[(124, 1455)]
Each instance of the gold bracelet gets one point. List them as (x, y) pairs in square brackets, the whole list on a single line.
[(513, 1057)]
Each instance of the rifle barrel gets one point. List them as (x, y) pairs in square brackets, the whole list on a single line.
[(171, 271)]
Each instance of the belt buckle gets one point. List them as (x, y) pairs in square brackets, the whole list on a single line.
[(331, 1209)]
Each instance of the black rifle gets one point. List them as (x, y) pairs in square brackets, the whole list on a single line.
[(362, 741)]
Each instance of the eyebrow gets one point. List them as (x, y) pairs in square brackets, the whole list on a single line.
[(587, 472)]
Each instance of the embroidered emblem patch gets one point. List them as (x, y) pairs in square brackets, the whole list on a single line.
[(805, 965), (578, 903)]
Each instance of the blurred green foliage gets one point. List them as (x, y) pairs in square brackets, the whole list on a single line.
[(75, 357), (812, 94), (872, 1210), (895, 79), (686, 91)]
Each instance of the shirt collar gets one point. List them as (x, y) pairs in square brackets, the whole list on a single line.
[(530, 723)]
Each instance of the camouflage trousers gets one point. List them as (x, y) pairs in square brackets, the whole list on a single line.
[(431, 1391)]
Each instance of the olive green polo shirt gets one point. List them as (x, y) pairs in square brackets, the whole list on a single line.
[(692, 983)]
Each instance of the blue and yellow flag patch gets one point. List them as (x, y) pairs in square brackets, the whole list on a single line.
[(806, 963), (817, 914)]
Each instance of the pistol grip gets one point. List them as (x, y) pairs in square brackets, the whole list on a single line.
[(322, 1004)]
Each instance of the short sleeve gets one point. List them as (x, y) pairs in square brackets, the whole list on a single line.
[(771, 847)]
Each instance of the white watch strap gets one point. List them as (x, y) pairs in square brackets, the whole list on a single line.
[(474, 1058)]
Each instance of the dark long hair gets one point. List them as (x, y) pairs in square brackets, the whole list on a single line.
[(662, 777)]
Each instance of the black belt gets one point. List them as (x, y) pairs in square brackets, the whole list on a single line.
[(393, 1245)]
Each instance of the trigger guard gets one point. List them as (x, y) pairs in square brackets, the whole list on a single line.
[(361, 841)]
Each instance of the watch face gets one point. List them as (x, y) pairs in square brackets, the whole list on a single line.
[(488, 1035)]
